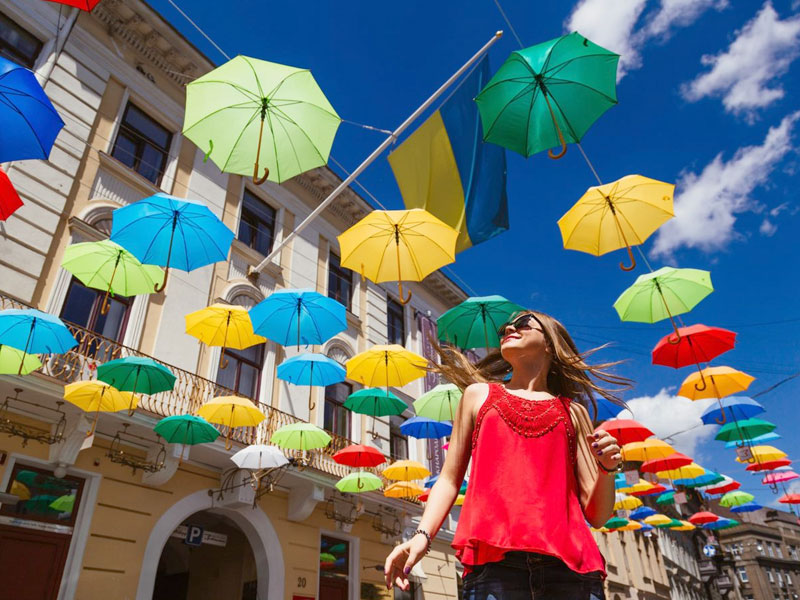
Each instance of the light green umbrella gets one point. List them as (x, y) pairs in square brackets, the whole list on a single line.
[(744, 430), (250, 115), (735, 498), (440, 403), (300, 436), (10, 359), (63, 504), (110, 267), (663, 294), (548, 95), (475, 322), (358, 482)]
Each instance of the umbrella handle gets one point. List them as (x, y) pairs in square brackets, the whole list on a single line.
[(403, 301), (131, 408), (228, 441), (259, 180), (360, 484), (703, 384), (210, 150), (311, 405), (724, 416), (632, 266), (256, 179), (561, 139)]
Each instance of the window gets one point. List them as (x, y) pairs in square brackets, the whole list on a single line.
[(793, 552), (83, 305), (241, 370), (398, 443), (337, 417), (16, 44), (770, 576), (340, 281), (395, 322), (778, 550), (43, 496), (770, 550), (742, 572), (780, 577), (142, 144), (760, 548), (257, 224), (788, 578), (334, 567)]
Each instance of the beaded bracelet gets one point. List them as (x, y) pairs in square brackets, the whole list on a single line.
[(617, 469), (427, 537)]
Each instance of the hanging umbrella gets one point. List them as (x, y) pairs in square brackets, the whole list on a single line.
[(251, 115), (110, 267), (474, 323), (459, 501), (690, 471), (136, 374), (20, 490), (765, 454), (707, 478), (30, 122), (300, 436), (34, 332), (746, 430), (406, 470), (779, 477), (311, 369), (359, 455), (684, 526), (673, 461), (259, 456), (359, 482), (548, 95), (736, 498), (398, 245), (615, 523), (696, 344), (171, 232), (789, 499), (301, 316), (626, 431), (760, 439), (723, 487), (663, 294), (619, 481), (224, 325), (749, 507), (625, 502), (375, 402), (617, 215), (703, 517), (656, 489), (640, 488), (422, 428), (428, 483), (87, 5), (666, 498), (642, 513), (631, 526), (732, 407), (769, 465), (16, 362), (9, 199), (63, 504), (403, 489), (440, 403), (231, 411), (385, 365), (606, 409), (186, 430), (646, 450), (97, 397), (724, 381), (721, 523)]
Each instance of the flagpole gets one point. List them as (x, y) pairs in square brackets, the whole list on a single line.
[(375, 154)]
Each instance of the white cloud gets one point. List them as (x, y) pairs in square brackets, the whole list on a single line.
[(679, 13), (767, 228), (707, 204), (672, 416), (744, 74)]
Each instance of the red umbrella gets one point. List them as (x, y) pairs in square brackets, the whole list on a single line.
[(673, 461), (723, 489), (359, 455), (656, 489), (626, 430), (9, 199), (769, 465), (86, 5), (424, 497), (701, 518), (695, 344), (790, 499)]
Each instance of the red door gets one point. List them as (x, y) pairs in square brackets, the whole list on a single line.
[(31, 562), (332, 589)]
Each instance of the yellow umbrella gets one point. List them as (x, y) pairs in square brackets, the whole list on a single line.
[(646, 450), (231, 411), (640, 487), (385, 365), (617, 215), (20, 490), (724, 382), (690, 471), (397, 245), (765, 454), (631, 526), (685, 527), (97, 397), (223, 325), (459, 500), (603, 529), (625, 502), (406, 470), (657, 519), (403, 489)]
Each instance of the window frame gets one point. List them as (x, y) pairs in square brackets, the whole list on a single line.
[(7, 50), (394, 434), (253, 243), (342, 274), (340, 409), (232, 353), (94, 310), (391, 304), (140, 140), (742, 573), (19, 466)]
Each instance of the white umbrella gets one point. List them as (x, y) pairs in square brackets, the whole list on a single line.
[(258, 457)]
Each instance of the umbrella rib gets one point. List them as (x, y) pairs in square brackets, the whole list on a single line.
[(520, 94), (255, 76), (580, 84), (238, 139), (216, 112), (239, 88), (546, 64), (306, 103), (282, 81), (34, 133), (275, 145), (566, 120), (305, 134)]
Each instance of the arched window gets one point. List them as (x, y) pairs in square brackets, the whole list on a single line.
[(336, 417), (241, 371)]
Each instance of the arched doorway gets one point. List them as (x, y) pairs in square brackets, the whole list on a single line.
[(207, 557)]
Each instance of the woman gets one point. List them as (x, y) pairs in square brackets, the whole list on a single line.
[(538, 473)]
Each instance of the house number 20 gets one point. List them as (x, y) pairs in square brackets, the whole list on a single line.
[(301, 582)]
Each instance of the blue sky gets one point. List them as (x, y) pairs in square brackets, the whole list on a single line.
[(707, 99)]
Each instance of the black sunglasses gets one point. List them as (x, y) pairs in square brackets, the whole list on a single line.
[(522, 322)]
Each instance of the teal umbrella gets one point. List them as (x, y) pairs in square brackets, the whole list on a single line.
[(375, 402), (475, 322), (666, 498), (136, 374), (548, 95), (745, 430), (187, 430)]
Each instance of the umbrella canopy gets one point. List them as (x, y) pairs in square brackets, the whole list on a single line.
[(224, 325), (440, 403), (406, 470), (749, 507), (646, 450), (759, 439), (769, 465), (385, 365), (63, 503), (764, 454), (631, 526), (616, 215), (252, 116), (358, 482), (640, 488), (398, 245), (231, 411), (97, 397), (703, 517), (548, 95), (642, 513), (375, 402), (171, 232), (707, 478), (16, 362), (684, 526), (714, 382), (109, 267), (695, 344), (403, 489), (605, 410), (663, 294), (136, 374), (667, 463), (420, 427), (87, 5), (723, 487), (745, 430), (20, 490), (721, 523), (359, 455), (300, 436), (731, 408), (34, 331), (625, 502), (475, 322), (9, 198), (311, 369), (626, 431), (459, 501), (259, 456), (298, 317), (616, 523), (30, 122), (656, 489), (790, 499), (736, 498), (666, 498), (779, 477), (186, 429), (690, 471)]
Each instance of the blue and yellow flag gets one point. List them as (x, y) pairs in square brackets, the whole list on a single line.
[(447, 169)]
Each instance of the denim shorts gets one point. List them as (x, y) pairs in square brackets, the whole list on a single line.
[(529, 576)]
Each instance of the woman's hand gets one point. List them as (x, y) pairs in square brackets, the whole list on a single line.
[(605, 448), (399, 563)]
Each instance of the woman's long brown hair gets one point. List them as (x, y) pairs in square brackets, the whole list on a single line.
[(570, 376)]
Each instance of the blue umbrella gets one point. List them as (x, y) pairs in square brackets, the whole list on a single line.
[(620, 481), (34, 332), (433, 479), (642, 513), (420, 427), (301, 316), (311, 369), (30, 122), (167, 231), (646, 527), (749, 507), (756, 440), (721, 523), (736, 408), (707, 478), (606, 410)]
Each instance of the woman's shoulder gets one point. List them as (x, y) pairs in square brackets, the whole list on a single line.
[(475, 394)]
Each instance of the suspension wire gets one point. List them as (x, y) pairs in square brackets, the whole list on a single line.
[(199, 29), (368, 127), (510, 26)]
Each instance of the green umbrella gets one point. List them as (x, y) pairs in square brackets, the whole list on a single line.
[(375, 402), (250, 114), (666, 498), (440, 403), (337, 549), (744, 430), (326, 557), (616, 523), (10, 359), (663, 294), (136, 374), (475, 322), (63, 504), (671, 524), (108, 266), (358, 482), (187, 430), (735, 498), (548, 95), (300, 436)]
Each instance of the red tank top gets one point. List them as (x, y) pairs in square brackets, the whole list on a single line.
[(523, 491)]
